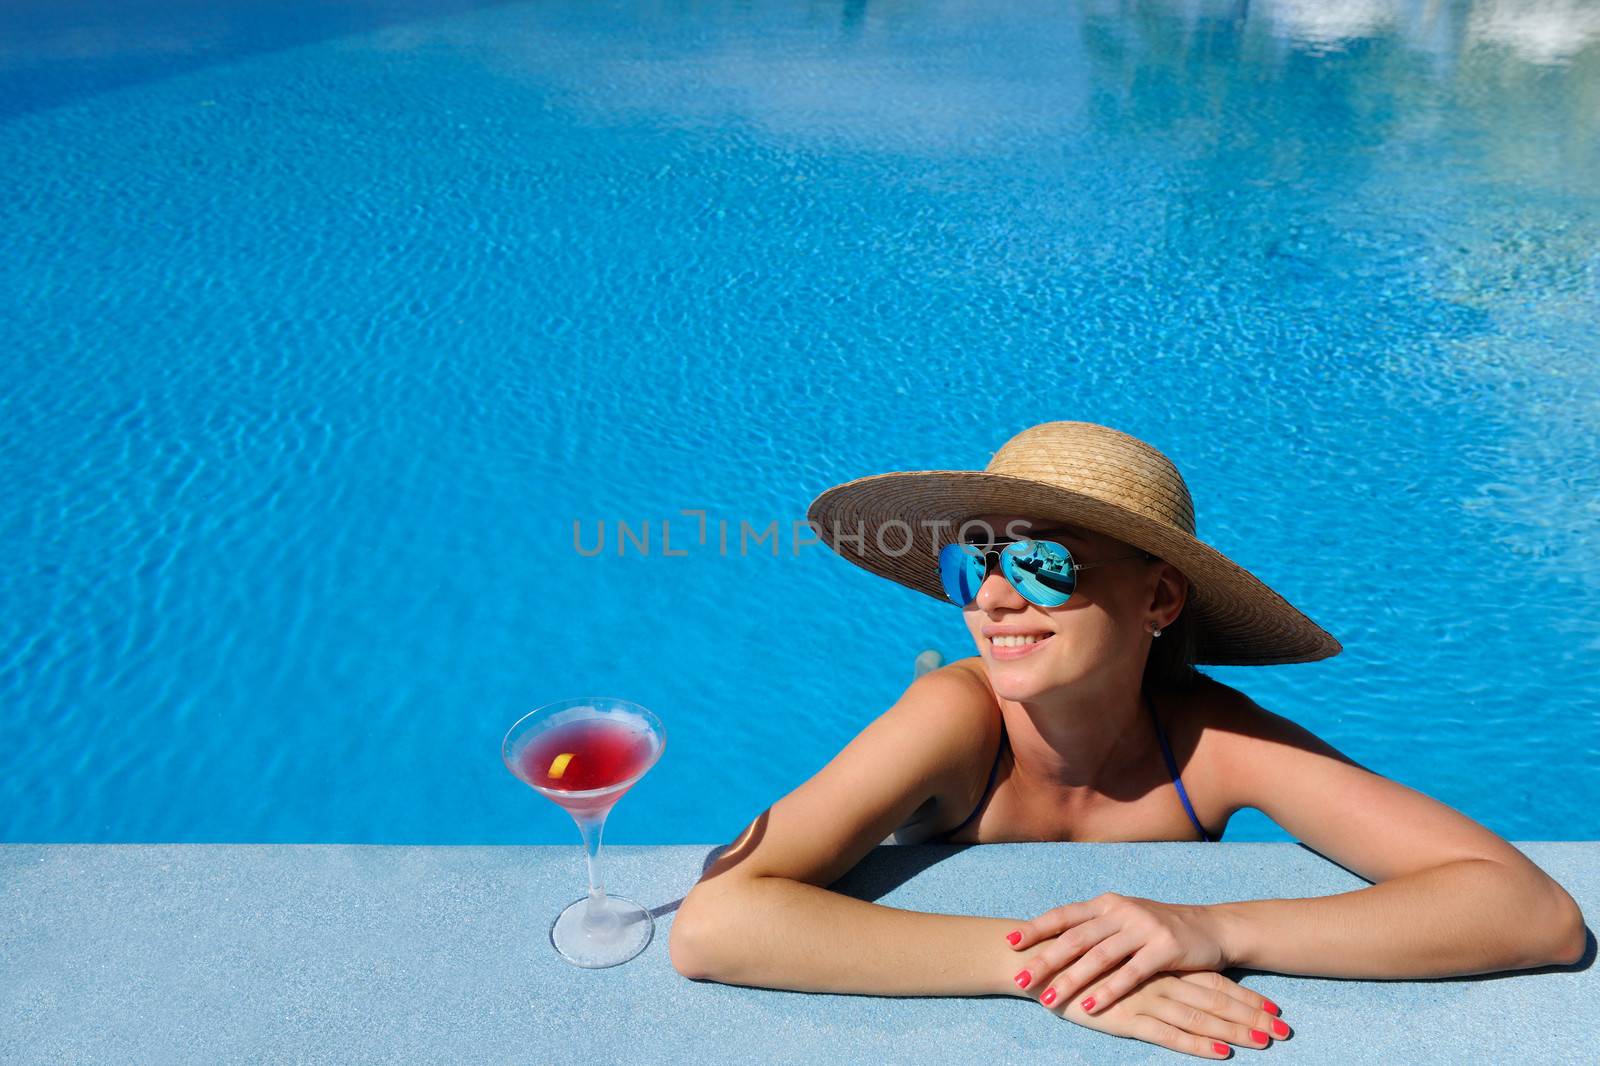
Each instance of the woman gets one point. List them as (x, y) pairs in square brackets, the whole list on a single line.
[(1089, 601)]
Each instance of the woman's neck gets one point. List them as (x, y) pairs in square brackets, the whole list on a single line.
[(1079, 745)]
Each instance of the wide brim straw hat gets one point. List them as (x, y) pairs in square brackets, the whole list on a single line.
[(1088, 475)]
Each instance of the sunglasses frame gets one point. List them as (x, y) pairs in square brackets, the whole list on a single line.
[(992, 551)]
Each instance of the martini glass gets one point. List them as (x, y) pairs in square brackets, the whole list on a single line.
[(584, 753)]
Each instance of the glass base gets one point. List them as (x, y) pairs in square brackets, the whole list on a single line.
[(619, 930)]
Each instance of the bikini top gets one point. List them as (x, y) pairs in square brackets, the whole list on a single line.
[(1166, 753)]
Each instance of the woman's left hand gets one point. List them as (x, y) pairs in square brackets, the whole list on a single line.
[(1102, 934)]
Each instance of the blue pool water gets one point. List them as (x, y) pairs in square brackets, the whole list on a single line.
[(324, 324)]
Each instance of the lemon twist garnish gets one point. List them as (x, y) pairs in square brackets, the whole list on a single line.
[(559, 767)]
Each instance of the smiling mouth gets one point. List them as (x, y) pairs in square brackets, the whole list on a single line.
[(1017, 640)]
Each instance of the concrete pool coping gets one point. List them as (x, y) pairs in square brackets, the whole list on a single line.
[(210, 953)]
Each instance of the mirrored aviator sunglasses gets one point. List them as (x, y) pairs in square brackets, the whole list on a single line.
[(1042, 571)]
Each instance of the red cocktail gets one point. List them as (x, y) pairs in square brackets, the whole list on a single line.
[(587, 764)]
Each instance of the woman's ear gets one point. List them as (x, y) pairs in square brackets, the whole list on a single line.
[(1171, 592)]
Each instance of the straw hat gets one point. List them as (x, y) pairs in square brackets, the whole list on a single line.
[(1089, 475)]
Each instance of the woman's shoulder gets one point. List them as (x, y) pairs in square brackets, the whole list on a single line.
[(1203, 722), (972, 669), (1212, 710), (965, 712), (965, 701)]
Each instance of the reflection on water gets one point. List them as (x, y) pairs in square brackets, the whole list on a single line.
[(1539, 31)]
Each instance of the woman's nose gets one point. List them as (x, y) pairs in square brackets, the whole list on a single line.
[(996, 593)]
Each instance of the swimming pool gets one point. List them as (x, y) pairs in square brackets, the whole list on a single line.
[(325, 327)]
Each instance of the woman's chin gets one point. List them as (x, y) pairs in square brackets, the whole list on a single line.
[(1017, 682)]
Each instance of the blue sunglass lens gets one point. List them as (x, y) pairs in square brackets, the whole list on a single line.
[(961, 572), (1041, 570)]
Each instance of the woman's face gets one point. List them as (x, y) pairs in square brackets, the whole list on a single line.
[(1102, 627)]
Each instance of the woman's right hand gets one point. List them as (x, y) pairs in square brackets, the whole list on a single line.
[(1195, 1012)]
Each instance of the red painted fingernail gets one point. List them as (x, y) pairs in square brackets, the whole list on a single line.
[(1258, 1036), (1279, 1027), (1015, 936), (1219, 1048), (1023, 978), (1088, 1003), (1049, 997), (1272, 1008)]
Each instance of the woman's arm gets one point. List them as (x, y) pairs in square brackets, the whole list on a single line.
[(1462, 917), (773, 932), (761, 914), (1450, 897)]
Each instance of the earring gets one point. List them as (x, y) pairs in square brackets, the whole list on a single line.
[(1155, 630)]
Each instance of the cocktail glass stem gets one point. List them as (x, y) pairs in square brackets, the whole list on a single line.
[(593, 826)]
